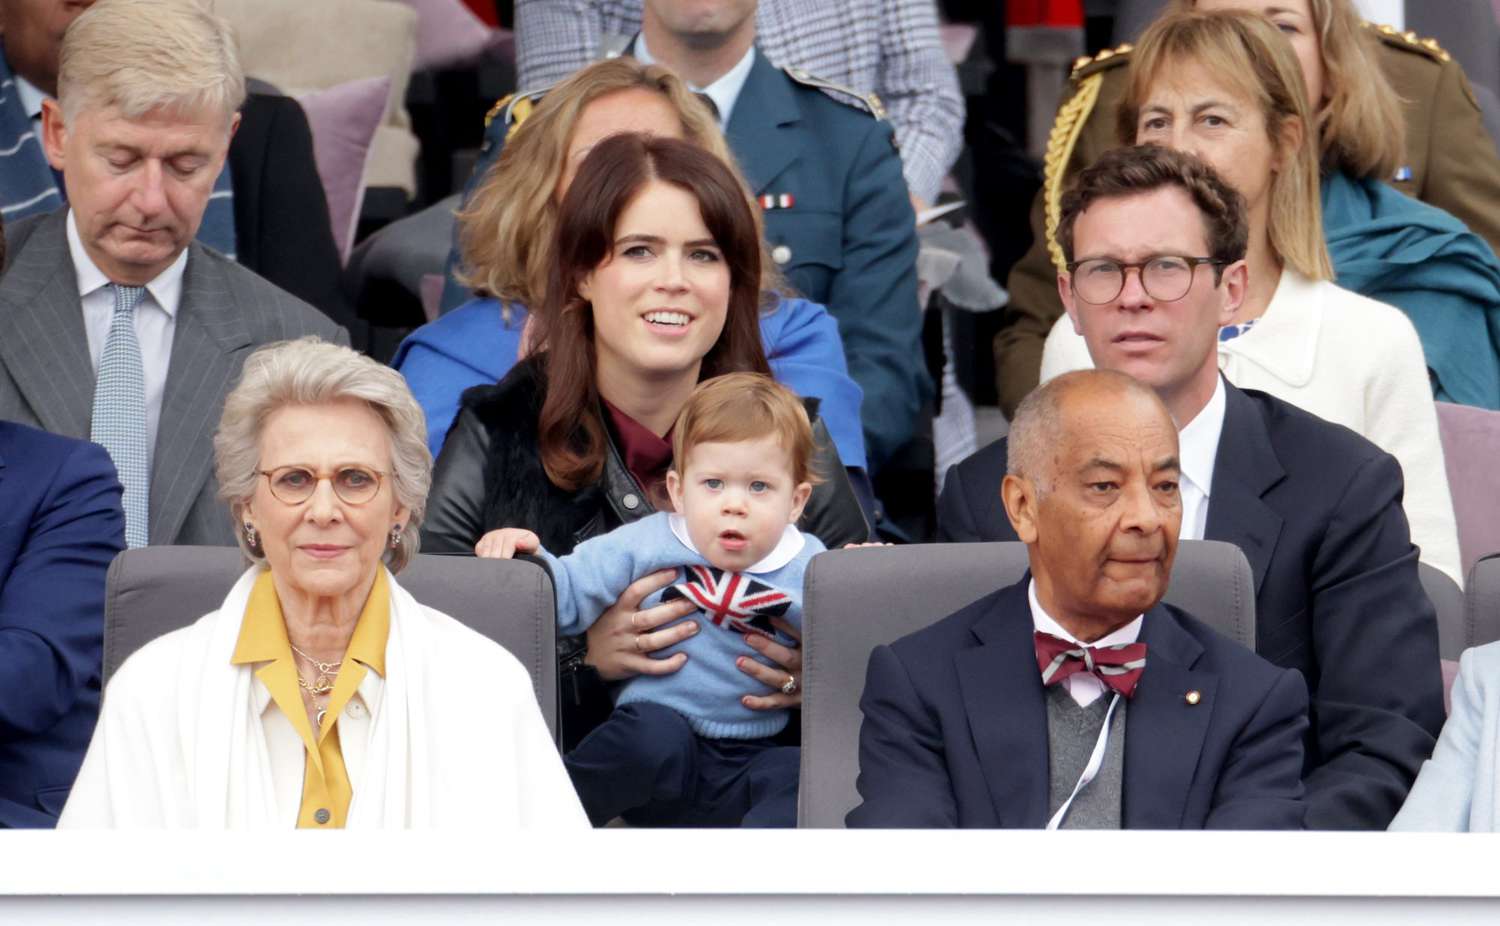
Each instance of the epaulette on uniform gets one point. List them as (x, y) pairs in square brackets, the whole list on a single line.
[(1072, 115), (513, 108), (1107, 58), (868, 101), (1410, 41)]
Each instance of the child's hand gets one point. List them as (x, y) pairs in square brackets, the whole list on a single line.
[(506, 542)]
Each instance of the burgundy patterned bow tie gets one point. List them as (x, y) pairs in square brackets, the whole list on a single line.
[(1119, 666)]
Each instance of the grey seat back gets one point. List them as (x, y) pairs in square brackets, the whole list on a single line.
[(1448, 600), (855, 600), (1482, 603), (153, 590)]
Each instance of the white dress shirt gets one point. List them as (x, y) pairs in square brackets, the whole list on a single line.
[(1084, 687), (724, 91), (1197, 449), (155, 322)]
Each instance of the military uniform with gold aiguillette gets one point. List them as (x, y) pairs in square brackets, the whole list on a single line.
[(1450, 162)]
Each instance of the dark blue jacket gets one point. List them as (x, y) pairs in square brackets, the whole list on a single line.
[(1317, 511), (60, 526), (955, 728)]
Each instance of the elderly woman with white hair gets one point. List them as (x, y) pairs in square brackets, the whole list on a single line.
[(321, 694)]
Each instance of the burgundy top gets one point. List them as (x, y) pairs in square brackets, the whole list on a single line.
[(646, 455)]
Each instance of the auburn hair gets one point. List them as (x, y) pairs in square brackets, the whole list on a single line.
[(741, 407), (571, 429)]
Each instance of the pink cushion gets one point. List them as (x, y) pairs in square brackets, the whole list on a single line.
[(343, 120), (1471, 445), (1450, 673), (449, 34)]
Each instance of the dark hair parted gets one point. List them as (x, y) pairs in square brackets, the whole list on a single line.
[(1124, 172), (616, 171)]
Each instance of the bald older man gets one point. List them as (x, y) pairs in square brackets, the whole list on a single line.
[(1074, 698)]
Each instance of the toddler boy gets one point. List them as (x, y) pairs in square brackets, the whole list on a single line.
[(682, 749)]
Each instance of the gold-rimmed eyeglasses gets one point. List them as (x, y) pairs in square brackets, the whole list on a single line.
[(1165, 278), (293, 485)]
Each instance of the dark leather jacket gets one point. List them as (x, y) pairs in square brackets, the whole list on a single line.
[(490, 475)]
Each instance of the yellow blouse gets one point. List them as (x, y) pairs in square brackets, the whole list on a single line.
[(326, 791)]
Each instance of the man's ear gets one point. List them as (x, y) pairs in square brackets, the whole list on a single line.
[(234, 125), (1065, 293), (1019, 496), (1235, 284), (54, 134)]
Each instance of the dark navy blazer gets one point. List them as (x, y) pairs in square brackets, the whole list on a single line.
[(60, 526), (848, 237), (1316, 508), (955, 728)]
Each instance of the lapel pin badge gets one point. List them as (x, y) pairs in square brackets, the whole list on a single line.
[(778, 201), (1192, 697)]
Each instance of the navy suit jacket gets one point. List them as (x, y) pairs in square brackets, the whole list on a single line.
[(1316, 508), (60, 526), (955, 728)]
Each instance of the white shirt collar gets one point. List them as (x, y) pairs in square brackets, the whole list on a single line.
[(1198, 443), (165, 290), (725, 91), (784, 552), (1046, 624), (31, 96)]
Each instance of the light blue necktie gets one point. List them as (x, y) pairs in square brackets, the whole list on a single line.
[(119, 422)]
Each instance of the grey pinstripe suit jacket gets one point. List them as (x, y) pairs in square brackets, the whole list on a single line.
[(47, 378)]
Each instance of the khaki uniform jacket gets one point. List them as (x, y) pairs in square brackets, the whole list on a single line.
[(1450, 163)]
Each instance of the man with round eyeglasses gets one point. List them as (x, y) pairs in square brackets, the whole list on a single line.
[(1155, 244)]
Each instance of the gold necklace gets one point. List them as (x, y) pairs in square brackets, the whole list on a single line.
[(327, 673)]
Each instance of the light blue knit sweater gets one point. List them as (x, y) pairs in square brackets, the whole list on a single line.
[(708, 688)]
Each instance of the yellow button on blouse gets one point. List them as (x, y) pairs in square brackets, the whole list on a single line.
[(326, 791)]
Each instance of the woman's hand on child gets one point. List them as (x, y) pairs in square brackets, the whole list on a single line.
[(788, 663), (621, 641), (506, 542)]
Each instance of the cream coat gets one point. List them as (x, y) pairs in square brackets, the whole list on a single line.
[(1349, 360), (454, 740)]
